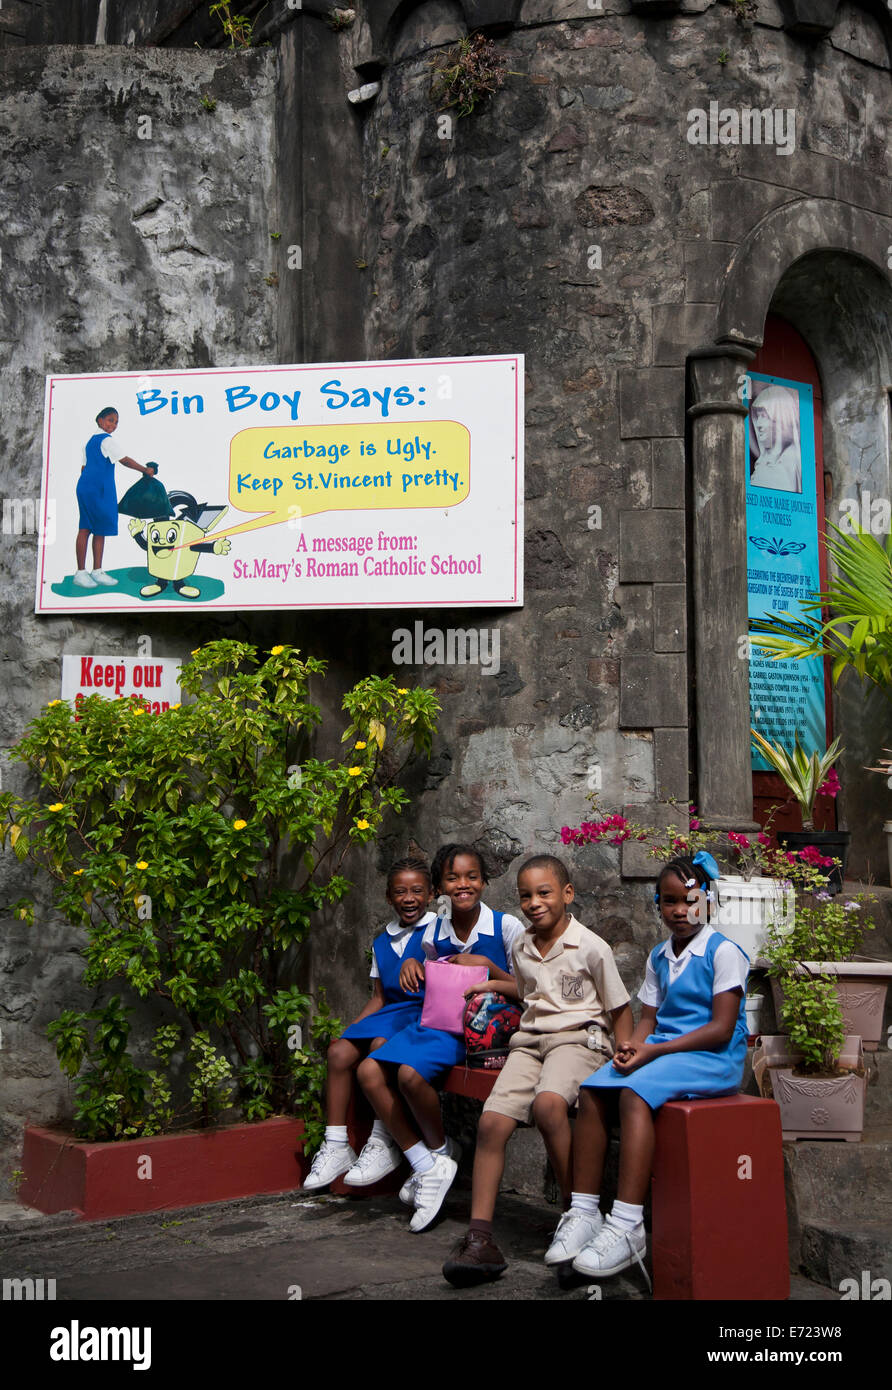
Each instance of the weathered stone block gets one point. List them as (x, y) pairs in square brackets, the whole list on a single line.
[(726, 196), (636, 860), (678, 329), (670, 618), (651, 547), (653, 691), (526, 1166), (668, 473), (705, 266), (651, 402), (671, 763)]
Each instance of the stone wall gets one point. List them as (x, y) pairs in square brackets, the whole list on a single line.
[(118, 252), (569, 219)]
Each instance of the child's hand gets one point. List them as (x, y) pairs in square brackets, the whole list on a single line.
[(411, 976), (470, 960), (630, 1056), (485, 987)]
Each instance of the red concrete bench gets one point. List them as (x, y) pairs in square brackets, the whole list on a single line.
[(719, 1217)]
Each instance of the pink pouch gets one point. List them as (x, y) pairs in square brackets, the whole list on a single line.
[(444, 993)]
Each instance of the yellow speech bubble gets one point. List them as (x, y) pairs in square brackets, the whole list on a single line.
[(286, 472)]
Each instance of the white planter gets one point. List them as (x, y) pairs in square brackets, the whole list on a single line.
[(754, 1004), (745, 908)]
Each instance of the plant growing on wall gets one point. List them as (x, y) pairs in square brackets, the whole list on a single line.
[(194, 848), (238, 28), (467, 75)]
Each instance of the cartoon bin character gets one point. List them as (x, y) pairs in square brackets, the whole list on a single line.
[(173, 544)]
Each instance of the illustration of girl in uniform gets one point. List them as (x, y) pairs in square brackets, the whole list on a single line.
[(97, 498), (774, 440)]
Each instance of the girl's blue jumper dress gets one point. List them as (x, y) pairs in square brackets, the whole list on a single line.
[(687, 1004), (97, 498), (399, 1009), (429, 1050)]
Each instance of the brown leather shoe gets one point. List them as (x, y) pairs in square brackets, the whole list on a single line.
[(474, 1260)]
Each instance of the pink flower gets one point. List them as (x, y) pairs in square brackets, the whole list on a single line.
[(813, 856), (831, 786), (763, 838), (739, 840), (695, 824)]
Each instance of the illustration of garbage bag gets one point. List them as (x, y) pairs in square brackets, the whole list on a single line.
[(147, 498), (174, 543)]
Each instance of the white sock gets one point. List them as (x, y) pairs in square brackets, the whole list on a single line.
[(443, 1149), (626, 1215), (420, 1157), (336, 1134), (381, 1132), (583, 1201)]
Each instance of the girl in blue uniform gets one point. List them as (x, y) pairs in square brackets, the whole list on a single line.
[(690, 1042), (97, 498), (400, 1080), (390, 1009)]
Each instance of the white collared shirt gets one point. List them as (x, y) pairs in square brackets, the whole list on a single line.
[(730, 967), (399, 938), (441, 929), (109, 448)]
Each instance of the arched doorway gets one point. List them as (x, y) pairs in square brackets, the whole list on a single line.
[(784, 373)]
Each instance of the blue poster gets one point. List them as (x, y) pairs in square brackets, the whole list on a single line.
[(786, 697)]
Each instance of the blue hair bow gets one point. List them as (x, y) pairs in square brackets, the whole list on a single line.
[(706, 862)]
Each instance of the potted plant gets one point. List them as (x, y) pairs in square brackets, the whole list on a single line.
[(190, 851), (808, 778), (821, 944), (815, 1071)]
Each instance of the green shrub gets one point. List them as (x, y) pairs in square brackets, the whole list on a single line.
[(195, 848)]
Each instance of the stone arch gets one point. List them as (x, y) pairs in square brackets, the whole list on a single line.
[(784, 236), (820, 264)]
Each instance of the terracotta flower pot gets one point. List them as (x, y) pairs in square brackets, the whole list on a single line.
[(861, 986), (813, 1107)]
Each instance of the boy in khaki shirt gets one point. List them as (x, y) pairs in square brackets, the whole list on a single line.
[(567, 979)]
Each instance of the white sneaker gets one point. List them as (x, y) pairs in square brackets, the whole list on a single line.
[(612, 1250), (407, 1191), (574, 1231), (83, 580), (100, 577), (377, 1159), (330, 1162), (430, 1189)]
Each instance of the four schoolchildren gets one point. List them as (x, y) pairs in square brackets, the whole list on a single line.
[(577, 1045)]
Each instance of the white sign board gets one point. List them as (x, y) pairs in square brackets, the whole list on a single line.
[(363, 485), (149, 678)]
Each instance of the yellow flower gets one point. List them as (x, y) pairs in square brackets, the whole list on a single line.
[(403, 690), (138, 709), (57, 806), (362, 825), (77, 872), (141, 864), (351, 772), (53, 702), (197, 650), (176, 706), (361, 744), (239, 824), (276, 651)]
